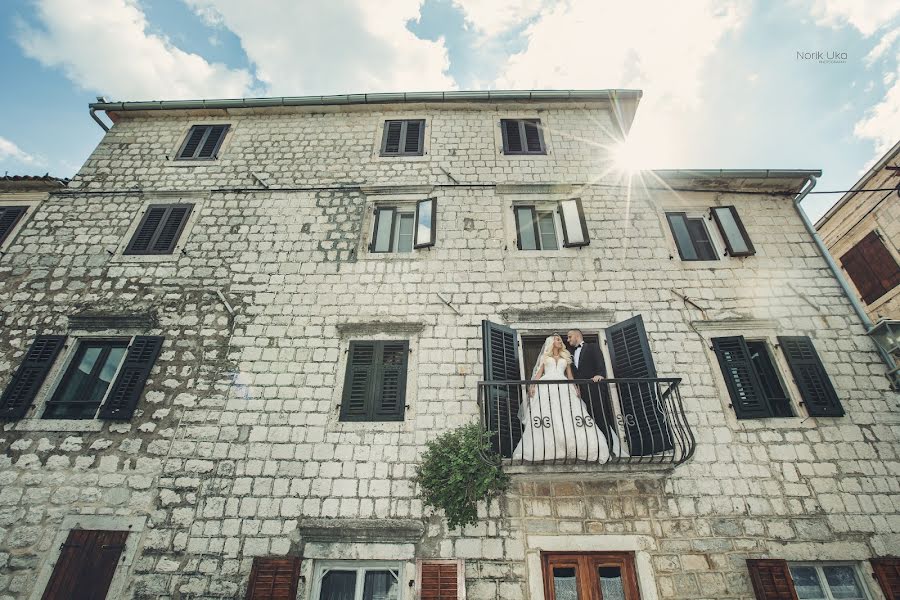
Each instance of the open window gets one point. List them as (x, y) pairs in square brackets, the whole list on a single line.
[(536, 229), (691, 237), (357, 580), (404, 228)]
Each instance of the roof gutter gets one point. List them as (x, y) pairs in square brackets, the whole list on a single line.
[(97, 119), (836, 271), (738, 173)]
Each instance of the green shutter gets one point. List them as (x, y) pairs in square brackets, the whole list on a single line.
[(747, 397), (809, 373)]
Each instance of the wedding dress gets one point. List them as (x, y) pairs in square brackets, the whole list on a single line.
[(557, 424)]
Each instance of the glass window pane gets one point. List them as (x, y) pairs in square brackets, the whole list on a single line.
[(806, 581), (381, 585), (79, 374), (611, 583), (383, 232), (547, 229), (403, 235), (572, 221), (565, 584), (423, 227), (527, 234), (338, 585), (700, 237), (94, 394), (731, 230), (842, 582), (682, 237)]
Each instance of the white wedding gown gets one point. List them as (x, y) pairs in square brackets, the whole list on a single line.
[(557, 424)]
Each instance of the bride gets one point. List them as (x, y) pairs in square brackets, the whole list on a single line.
[(557, 423)]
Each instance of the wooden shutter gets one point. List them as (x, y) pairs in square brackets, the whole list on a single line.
[(501, 363), (731, 217), (159, 229), (392, 137), (771, 579), (646, 428), (413, 137), (872, 268), (439, 580), (86, 565), (126, 390), (203, 142), (809, 373), (171, 228), (274, 578), (210, 146), (359, 381), (24, 386), (9, 217), (534, 142), (887, 574), (512, 137), (192, 142), (574, 225), (390, 401), (425, 223), (748, 398)]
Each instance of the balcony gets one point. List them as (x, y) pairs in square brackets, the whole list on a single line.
[(560, 426)]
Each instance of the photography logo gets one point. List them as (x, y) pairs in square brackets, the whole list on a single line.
[(829, 57)]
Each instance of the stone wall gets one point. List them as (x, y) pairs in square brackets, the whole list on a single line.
[(237, 448)]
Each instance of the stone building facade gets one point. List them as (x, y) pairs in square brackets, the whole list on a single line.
[(233, 441)]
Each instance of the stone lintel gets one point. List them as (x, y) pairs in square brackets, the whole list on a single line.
[(361, 530)]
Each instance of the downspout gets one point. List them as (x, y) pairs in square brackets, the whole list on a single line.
[(96, 118), (836, 271)]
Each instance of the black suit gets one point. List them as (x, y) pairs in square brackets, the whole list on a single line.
[(596, 396)]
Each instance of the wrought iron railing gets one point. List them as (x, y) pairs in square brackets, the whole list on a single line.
[(540, 422)]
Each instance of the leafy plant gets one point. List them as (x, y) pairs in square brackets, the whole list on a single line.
[(458, 470)]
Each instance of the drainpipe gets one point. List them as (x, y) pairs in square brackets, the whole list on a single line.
[(836, 271), (96, 118)]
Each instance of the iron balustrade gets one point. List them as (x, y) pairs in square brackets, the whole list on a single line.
[(560, 422)]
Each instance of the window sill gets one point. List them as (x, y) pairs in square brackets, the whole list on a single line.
[(402, 157), (147, 258), (338, 426), (64, 425), (796, 422), (192, 162)]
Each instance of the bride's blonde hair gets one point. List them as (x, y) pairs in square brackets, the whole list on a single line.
[(563, 353)]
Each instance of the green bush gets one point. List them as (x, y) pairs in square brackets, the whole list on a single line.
[(458, 470)]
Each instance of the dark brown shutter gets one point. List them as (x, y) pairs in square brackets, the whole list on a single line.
[(9, 216), (359, 381), (872, 268), (392, 137), (213, 141), (159, 229), (439, 581), (501, 363), (192, 142), (129, 384), (809, 373), (747, 396), (86, 565), (512, 136), (413, 139), (771, 579), (887, 573), (390, 404), (646, 428), (171, 228), (24, 386), (274, 578), (533, 136)]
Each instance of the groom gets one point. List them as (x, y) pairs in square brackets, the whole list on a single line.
[(587, 363)]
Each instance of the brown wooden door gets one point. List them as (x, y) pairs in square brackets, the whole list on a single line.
[(887, 573), (590, 576), (86, 565)]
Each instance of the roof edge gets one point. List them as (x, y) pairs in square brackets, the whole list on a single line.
[(738, 173)]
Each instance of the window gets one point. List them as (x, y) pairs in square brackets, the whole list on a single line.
[(826, 582), (606, 575), (354, 580), (522, 136), (536, 229), (9, 218), (399, 230), (159, 229), (108, 374), (691, 237), (202, 142), (737, 242), (274, 578), (872, 268), (751, 378), (375, 383), (87, 563), (403, 138)]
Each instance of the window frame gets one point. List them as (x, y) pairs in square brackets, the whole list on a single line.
[(321, 568), (404, 125), (521, 122), (396, 210), (687, 217), (536, 211), (589, 561), (823, 582), (714, 211), (71, 365), (187, 136)]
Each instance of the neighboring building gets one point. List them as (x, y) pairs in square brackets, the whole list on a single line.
[(228, 340), (862, 232)]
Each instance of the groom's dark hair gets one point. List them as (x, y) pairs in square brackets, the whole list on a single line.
[(578, 330)]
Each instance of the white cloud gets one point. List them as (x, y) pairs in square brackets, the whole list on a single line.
[(662, 48), (337, 47), (106, 47), (868, 16), (10, 151), (496, 16), (881, 123)]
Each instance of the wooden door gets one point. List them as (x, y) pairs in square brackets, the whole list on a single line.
[(590, 576)]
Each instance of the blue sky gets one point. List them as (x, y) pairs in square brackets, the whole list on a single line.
[(723, 85)]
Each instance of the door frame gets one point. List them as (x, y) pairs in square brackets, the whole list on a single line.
[(586, 577)]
